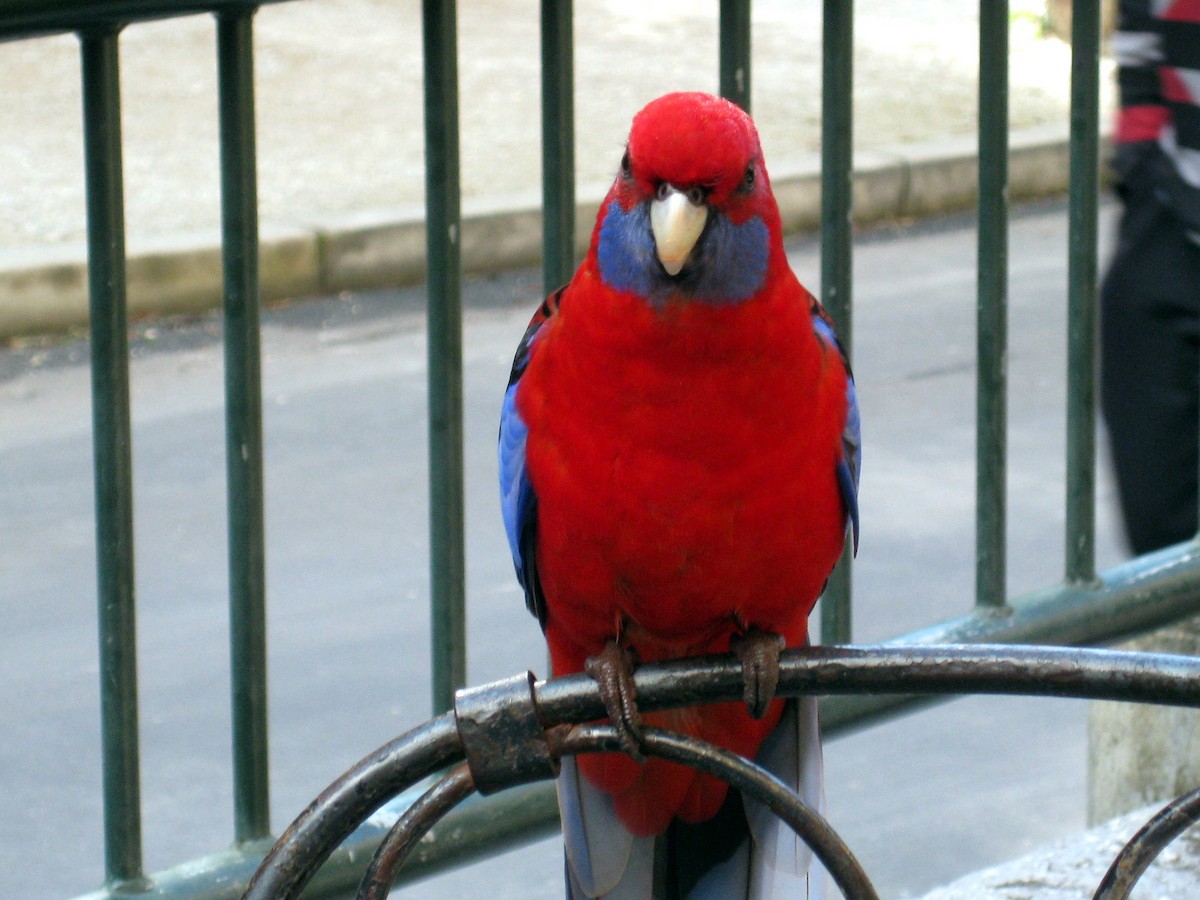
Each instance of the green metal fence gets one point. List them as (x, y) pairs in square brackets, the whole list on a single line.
[(1086, 607)]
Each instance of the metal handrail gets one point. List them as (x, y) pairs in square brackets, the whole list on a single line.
[(523, 715)]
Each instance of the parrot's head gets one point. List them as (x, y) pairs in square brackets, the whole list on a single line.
[(691, 213)]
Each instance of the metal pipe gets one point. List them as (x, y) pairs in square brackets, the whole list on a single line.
[(1081, 293), (837, 174), (734, 52), (443, 230), (991, 415), (1144, 847), (403, 837), (942, 670), (28, 18), (558, 144), (364, 788), (813, 828), (112, 456), (243, 425)]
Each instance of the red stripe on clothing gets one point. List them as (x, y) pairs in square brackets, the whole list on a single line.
[(1141, 123), (1182, 11), (1172, 87)]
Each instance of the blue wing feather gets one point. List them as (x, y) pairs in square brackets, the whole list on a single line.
[(850, 460), (518, 502)]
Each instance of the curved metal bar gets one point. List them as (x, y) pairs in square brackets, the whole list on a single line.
[(813, 828), (402, 837), (340, 808), (1143, 848), (1083, 673), (884, 669)]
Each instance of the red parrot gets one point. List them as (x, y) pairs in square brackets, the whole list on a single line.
[(679, 455)]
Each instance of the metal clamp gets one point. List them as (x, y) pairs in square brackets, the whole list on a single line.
[(502, 735)]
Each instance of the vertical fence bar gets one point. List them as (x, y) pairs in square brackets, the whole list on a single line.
[(991, 380), (243, 425), (443, 222), (734, 52), (1081, 293), (558, 144), (837, 173), (112, 456)]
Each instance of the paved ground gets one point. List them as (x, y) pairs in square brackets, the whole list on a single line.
[(339, 101), (1072, 870)]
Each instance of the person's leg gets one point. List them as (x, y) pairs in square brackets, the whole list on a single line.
[(1150, 374)]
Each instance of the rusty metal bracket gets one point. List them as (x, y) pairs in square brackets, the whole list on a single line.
[(503, 737)]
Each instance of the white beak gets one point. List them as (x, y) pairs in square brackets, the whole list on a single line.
[(676, 223)]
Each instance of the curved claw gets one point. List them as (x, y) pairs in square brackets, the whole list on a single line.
[(612, 670), (758, 651)]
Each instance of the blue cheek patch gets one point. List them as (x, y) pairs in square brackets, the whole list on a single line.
[(734, 262), (728, 266), (626, 251)]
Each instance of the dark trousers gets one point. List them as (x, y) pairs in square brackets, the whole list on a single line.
[(1150, 370)]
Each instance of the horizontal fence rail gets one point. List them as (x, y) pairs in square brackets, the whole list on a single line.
[(31, 18), (1087, 608)]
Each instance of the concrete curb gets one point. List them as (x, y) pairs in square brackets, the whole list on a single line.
[(45, 289)]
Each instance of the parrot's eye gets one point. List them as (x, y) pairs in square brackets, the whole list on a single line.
[(696, 195), (626, 166), (748, 178)]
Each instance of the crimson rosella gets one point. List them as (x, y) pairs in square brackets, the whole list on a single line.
[(679, 454)]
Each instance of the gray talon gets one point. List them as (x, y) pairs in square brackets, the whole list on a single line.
[(612, 670), (758, 651)]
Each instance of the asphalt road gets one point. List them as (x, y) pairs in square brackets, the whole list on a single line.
[(921, 800)]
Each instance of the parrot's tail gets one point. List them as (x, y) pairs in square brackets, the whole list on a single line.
[(745, 851)]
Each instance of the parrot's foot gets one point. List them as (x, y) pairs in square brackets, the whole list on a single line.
[(612, 669), (758, 652)]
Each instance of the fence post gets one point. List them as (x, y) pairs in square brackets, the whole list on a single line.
[(837, 174), (243, 428), (112, 456), (558, 144), (443, 219), (991, 414)]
